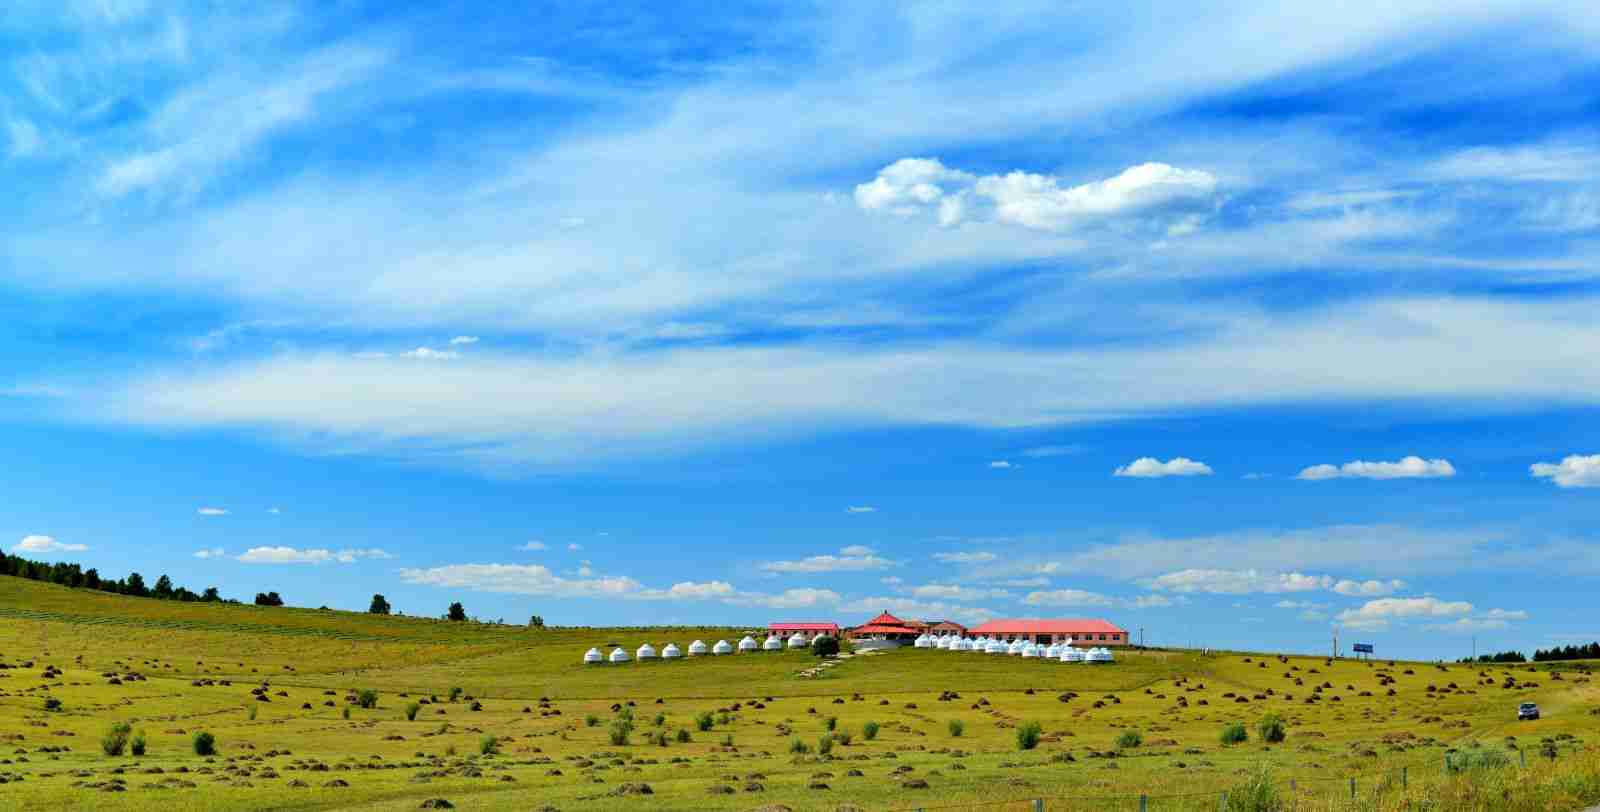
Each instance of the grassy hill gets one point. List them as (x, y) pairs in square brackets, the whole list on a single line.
[(174, 669)]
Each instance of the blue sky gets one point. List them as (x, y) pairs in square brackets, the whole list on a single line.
[(1235, 327)]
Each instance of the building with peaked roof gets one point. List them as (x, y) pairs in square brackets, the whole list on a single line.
[(943, 628), (884, 627), (1082, 631), (809, 629)]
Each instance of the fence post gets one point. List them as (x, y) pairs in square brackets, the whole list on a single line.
[(1352, 788), (1522, 753), (1403, 782), (1038, 805), (1144, 803), (1222, 805), (1294, 795)]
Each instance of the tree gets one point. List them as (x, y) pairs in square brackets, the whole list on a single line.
[(268, 599), (135, 586), (211, 595), (163, 587), (457, 612), (826, 645), (536, 622), (379, 606)]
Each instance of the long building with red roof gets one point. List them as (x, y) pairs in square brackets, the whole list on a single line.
[(1079, 630)]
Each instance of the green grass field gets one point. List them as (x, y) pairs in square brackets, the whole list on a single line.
[(309, 746)]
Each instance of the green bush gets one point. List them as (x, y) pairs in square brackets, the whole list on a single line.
[(620, 730), (843, 737), (1272, 729), (136, 745), (412, 710), (869, 731), (1235, 734), (658, 738), (825, 745), (703, 721), (367, 698), (455, 693), (254, 710), (205, 744), (661, 719), (488, 745), (52, 704), (825, 646), (591, 720), (1028, 734), (115, 741), (1128, 739), (831, 723), (344, 712), (1259, 793), (957, 727), (683, 736), (1477, 759), (798, 746)]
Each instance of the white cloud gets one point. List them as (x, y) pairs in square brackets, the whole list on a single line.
[(212, 511), (274, 510), (1025, 583), (1376, 615), (212, 552), (857, 549), (1082, 598), (1492, 620), (965, 558), (912, 608), (430, 354), (1407, 468), (1574, 471), (293, 555), (1238, 582), (24, 136), (846, 562), (861, 509), (1150, 467), (1288, 604), (46, 544), (534, 546), (520, 579), (1003, 464), (463, 340), (689, 591), (1047, 451), (913, 185), (1368, 588), (955, 592), (1536, 163), (798, 598)]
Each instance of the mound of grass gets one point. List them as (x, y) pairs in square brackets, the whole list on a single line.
[(137, 744), (704, 721), (52, 704), (620, 731)]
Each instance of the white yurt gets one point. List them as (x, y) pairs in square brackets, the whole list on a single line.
[(1030, 650), (645, 652), (948, 643), (748, 644), (671, 652), (722, 647), (774, 643), (996, 647), (1071, 655), (1097, 655), (593, 656), (922, 641), (967, 645), (981, 645), (1052, 652), (798, 640), (619, 656), (1016, 647), (698, 648)]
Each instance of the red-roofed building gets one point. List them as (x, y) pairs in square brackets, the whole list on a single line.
[(884, 627), (807, 629), (1079, 630)]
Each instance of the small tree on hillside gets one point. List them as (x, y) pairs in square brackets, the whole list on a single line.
[(268, 599), (536, 622), (163, 587), (379, 606), (211, 595), (135, 586), (457, 612), (825, 646)]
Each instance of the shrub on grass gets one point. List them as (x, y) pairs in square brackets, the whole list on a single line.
[(205, 744), (957, 727), (412, 710), (115, 741), (254, 709), (455, 693), (1478, 759), (1235, 734), (798, 746), (591, 720), (869, 731), (488, 745), (52, 703), (1129, 739), (620, 731), (825, 646), (1272, 729), (1028, 734), (136, 745), (727, 740), (661, 719), (703, 721), (658, 738), (1258, 793), (831, 723), (345, 711), (367, 698), (825, 745), (843, 737), (683, 735), (724, 719)]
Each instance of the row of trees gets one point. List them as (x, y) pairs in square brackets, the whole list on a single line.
[(74, 575), (1501, 657), (1589, 652)]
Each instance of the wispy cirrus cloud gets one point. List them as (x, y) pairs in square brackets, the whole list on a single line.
[(850, 559), (315, 555)]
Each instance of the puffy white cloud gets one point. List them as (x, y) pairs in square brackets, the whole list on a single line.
[(913, 185), (1238, 582), (1150, 467), (861, 509), (431, 354), (1376, 614), (211, 552), (798, 598), (845, 562), (1079, 597), (1574, 471), (534, 546), (294, 555), (520, 579), (463, 340), (965, 558), (1407, 468), (1369, 588), (46, 544), (212, 511), (955, 592), (689, 591)]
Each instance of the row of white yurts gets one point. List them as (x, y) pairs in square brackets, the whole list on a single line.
[(698, 648), (1064, 652)]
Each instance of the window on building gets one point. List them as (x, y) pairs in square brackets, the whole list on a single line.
[(1102, 637)]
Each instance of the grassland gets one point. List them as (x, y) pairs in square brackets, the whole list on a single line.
[(172, 670)]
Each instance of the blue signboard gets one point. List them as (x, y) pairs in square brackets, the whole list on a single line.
[(1362, 648)]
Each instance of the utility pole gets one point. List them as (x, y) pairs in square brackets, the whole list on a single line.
[(1141, 637), (1474, 647), (1336, 642)]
